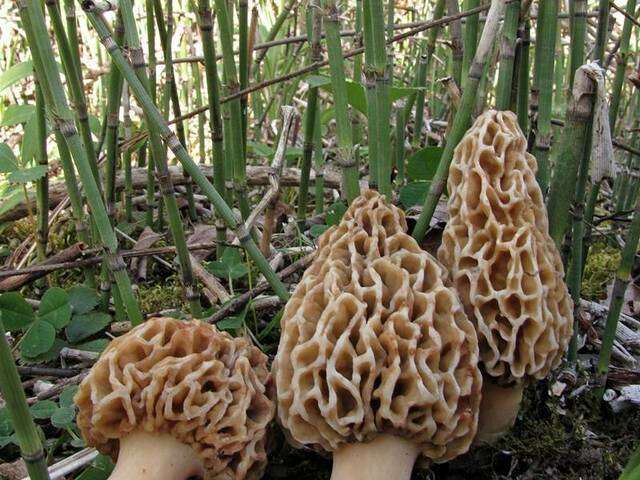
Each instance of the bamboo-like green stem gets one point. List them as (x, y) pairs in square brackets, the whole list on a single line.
[(507, 55), (457, 45), (376, 77), (314, 26), (462, 117), (470, 35), (234, 133), (345, 154), (47, 73), (30, 445), (570, 154), (602, 33), (165, 31), (151, 43), (73, 76), (521, 100), (156, 121), (623, 275), (542, 91), (162, 168), (318, 164), (621, 65), (273, 32), (205, 20), (243, 62), (423, 66), (578, 32), (126, 157), (42, 185)]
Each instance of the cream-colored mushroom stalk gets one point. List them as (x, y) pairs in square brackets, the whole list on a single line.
[(504, 265), (377, 362), (174, 400)]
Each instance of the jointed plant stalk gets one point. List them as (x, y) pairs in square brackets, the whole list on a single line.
[(423, 66), (243, 61), (318, 164), (344, 152), (47, 73), (205, 20), (162, 168), (126, 157), (234, 132), (462, 118), (315, 25), (376, 77), (621, 66), (507, 55), (578, 32), (156, 121), (521, 101), (542, 90), (623, 276), (151, 42), (470, 36), (16, 402), (42, 185), (457, 45)]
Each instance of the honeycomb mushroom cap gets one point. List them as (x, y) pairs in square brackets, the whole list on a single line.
[(185, 378), (497, 249), (373, 341)]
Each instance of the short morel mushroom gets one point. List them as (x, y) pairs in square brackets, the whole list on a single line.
[(176, 399), (377, 362), (504, 265)]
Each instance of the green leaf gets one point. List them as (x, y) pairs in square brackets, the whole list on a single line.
[(38, 339), (356, 94), (231, 265), (8, 162), (15, 73), (67, 394), (335, 213), (260, 149), (29, 144), (422, 165), (82, 299), (6, 440), (11, 198), (414, 194), (52, 354), (232, 323), (43, 409), (63, 417), (316, 230), (15, 114), (85, 325), (28, 174), (55, 307), (6, 427), (16, 312), (96, 346)]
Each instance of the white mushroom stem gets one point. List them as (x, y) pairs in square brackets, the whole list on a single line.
[(386, 457), (498, 410), (147, 456)]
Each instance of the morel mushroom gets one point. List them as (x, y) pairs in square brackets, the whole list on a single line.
[(504, 265), (176, 399), (377, 362)]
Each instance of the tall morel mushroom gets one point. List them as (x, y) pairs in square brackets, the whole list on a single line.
[(174, 400), (377, 361), (505, 266)]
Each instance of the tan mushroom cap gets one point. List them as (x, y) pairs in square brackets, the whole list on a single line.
[(374, 342), (497, 248), (185, 378)]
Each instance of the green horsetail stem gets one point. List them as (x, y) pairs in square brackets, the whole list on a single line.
[(161, 166), (42, 185), (345, 155), (205, 21), (578, 32), (46, 69), (471, 27), (462, 117), (156, 121), (623, 276), (151, 42), (70, 57), (234, 132), (377, 83), (314, 26), (507, 55), (522, 88), (542, 91), (16, 403), (621, 65)]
